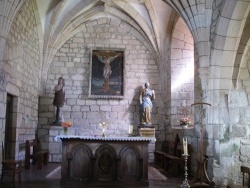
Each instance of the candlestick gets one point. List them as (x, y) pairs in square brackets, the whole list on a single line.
[(185, 182)]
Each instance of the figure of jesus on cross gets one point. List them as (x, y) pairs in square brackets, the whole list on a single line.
[(106, 69)]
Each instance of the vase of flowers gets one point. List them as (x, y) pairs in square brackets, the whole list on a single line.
[(66, 125), (104, 127), (185, 122)]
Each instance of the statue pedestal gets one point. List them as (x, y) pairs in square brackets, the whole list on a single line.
[(146, 131)]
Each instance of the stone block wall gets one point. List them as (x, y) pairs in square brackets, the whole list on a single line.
[(72, 62), (182, 72), (20, 78)]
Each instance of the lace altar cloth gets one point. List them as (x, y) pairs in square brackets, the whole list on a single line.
[(98, 138)]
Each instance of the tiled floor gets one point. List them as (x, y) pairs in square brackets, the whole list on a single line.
[(34, 178)]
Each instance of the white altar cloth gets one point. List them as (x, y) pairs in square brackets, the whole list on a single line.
[(134, 138)]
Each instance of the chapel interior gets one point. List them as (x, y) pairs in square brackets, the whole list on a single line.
[(193, 53)]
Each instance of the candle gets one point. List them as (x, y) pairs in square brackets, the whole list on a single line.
[(185, 146), (130, 130)]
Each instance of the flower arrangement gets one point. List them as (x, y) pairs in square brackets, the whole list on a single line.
[(66, 125), (185, 121), (104, 126)]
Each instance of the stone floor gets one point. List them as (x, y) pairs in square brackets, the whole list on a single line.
[(34, 178)]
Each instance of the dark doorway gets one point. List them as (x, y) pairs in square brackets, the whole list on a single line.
[(10, 127)]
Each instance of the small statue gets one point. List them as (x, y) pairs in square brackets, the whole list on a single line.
[(146, 97), (59, 100)]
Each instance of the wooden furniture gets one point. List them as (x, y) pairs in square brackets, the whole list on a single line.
[(33, 151), (170, 157), (245, 176), (10, 167), (167, 148), (104, 161)]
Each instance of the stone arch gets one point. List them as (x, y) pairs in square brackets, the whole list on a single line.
[(81, 20), (240, 64), (14, 49), (22, 63), (214, 57), (224, 57), (11, 10), (75, 65), (93, 25), (197, 17), (226, 91)]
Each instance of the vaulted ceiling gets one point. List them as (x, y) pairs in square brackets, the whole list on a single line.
[(61, 19)]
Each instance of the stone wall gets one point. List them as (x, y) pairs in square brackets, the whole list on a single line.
[(20, 74), (182, 72), (182, 77), (72, 62)]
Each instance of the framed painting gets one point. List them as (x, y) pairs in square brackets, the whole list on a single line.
[(107, 73)]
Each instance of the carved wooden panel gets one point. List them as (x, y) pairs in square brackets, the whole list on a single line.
[(103, 163), (129, 169), (81, 167)]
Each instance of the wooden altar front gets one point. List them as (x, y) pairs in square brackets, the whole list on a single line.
[(105, 160)]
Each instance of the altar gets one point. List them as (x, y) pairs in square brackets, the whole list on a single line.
[(104, 161)]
